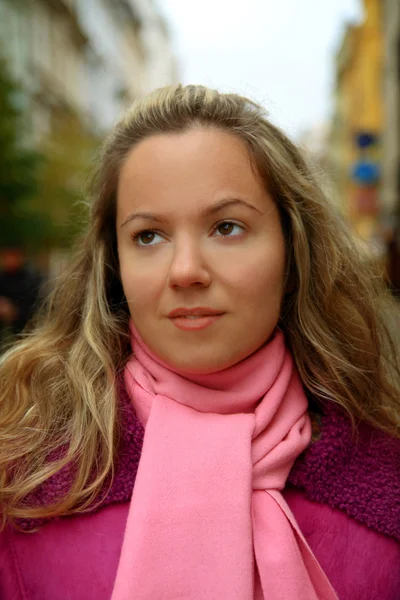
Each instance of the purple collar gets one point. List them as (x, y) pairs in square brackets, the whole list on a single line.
[(360, 476)]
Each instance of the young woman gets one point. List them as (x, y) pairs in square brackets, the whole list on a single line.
[(209, 408)]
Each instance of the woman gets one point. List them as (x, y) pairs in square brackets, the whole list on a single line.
[(209, 408)]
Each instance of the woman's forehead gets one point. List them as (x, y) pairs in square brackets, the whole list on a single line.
[(195, 167)]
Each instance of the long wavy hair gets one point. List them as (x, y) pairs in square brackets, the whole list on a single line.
[(59, 384)]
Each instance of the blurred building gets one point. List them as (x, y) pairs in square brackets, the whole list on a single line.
[(128, 54), (391, 140), (315, 143), (80, 64), (90, 58), (356, 133)]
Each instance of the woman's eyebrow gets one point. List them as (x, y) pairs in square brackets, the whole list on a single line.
[(144, 215), (205, 212), (210, 210)]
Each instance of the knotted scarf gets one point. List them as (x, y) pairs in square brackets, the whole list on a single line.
[(207, 520)]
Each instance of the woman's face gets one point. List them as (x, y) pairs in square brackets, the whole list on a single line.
[(198, 236)]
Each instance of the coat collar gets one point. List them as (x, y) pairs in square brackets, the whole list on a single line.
[(356, 473)]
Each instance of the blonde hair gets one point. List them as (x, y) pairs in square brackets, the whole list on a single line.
[(58, 385)]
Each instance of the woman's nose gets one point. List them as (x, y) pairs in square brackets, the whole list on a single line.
[(189, 267)]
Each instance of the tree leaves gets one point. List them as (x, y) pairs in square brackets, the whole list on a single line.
[(41, 202)]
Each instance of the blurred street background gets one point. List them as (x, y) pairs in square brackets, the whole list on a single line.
[(327, 72)]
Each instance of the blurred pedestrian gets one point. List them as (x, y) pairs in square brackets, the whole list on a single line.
[(20, 288), (210, 409)]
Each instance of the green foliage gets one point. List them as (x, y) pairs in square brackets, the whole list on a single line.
[(68, 152), (41, 205), (18, 165)]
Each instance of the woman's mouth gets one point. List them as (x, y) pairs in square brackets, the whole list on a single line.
[(192, 323), (194, 319)]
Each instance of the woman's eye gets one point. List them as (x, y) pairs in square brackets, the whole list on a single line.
[(147, 238), (227, 228)]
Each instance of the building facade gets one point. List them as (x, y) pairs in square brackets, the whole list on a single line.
[(364, 143), (129, 53), (81, 63), (90, 58), (391, 140), (356, 133)]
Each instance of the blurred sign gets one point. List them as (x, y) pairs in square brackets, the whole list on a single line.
[(364, 139), (365, 172), (367, 200)]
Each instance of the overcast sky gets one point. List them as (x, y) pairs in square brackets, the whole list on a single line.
[(279, 52)]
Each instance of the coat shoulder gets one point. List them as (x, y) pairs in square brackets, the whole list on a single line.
[(356, 472)]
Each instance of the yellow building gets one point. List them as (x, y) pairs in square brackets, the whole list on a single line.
[(358, 117)]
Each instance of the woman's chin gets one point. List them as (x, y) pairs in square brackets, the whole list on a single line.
[(199, 364)]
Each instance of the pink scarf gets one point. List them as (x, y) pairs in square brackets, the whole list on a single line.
[(207, 519)]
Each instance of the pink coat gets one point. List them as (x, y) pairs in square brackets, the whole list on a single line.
[(344, 494), (76, 558)]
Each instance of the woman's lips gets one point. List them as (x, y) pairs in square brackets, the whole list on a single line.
[(194, 322)]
